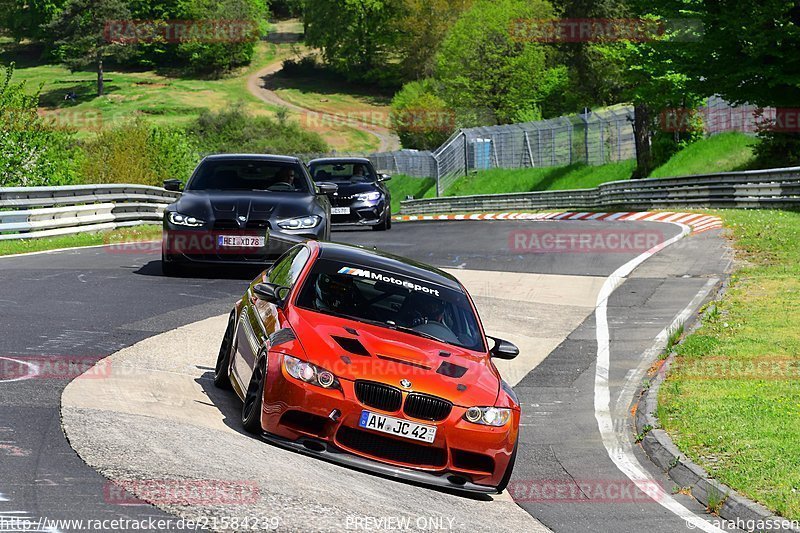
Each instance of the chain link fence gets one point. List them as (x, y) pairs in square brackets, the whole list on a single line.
[(591, 138)]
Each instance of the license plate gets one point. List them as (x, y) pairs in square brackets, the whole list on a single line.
[(396, 426), (240, 241), (340, 210)]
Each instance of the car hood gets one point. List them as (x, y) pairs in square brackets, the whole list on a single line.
[(464, 377), (253, 205)]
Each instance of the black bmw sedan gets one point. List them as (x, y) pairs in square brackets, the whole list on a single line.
[(361, 197), (245, 209)]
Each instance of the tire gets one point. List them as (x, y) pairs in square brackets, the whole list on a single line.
[(253, 398), (169, 268), (389, 221), (509, 470), (383, 225), (222, 378)]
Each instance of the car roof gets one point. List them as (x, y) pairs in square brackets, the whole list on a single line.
[(324, 160), (253, 157), (387, 262)]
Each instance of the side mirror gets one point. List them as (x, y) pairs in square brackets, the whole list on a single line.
[(173, 185), (269, 292), (384, 177), (325, 187), (503, 349)]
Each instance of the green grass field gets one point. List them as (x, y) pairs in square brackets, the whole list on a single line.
[(173, 99), (720, 153), (135, 234), (402, 186), (161, 98), (731, 402)]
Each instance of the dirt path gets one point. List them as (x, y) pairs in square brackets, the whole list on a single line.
[(258, 84)]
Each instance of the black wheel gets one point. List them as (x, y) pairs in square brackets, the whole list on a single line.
[(169, 268), (389, 221), (222, 378), (383, 225), (251, 410), (509, 469)]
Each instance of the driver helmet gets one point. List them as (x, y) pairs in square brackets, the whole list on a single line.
[(334, 291)]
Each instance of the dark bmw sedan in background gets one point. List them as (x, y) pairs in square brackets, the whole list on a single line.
[(361, 197), (245, 209)]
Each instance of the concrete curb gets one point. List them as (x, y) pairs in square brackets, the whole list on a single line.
[(685, 473), (698, 222)]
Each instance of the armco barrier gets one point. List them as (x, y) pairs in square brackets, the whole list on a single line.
[(30, 212), (774, 188)]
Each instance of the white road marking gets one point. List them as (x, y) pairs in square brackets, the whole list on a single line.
[(33, 371), (620, 450)]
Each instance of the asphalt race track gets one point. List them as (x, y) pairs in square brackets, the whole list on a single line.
[(87, 304)]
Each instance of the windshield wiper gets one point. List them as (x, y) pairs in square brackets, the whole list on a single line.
[(406, 329)]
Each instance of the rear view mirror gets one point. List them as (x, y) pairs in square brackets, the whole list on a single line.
[(269, 292), (384, 177), (325, 187), (503, 349), (173, 185)]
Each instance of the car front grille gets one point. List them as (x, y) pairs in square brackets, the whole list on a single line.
[(427, 407), (391, 449), (379, 396)]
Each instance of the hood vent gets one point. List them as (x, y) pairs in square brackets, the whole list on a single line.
[(450, 370), (403, 362), (353, 346)]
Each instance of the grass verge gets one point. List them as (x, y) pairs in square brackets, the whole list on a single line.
[(135, 234), (732, 399), (402, 186), (721, 153)]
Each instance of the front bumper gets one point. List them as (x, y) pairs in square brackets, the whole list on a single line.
[(361, 213), (464, 456), (201, 246)]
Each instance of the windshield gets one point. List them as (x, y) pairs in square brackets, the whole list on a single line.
[(343, 172), (248, 175), (393, 301)]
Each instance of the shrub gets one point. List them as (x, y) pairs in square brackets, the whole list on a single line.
[(138, 153), (420, 118), (31, 151), (234, 131)]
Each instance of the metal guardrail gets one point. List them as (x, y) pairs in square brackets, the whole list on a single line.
[(773, 188), (31, 212)]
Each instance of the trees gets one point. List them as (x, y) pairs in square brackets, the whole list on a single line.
[(81, 38), (483, 68), (420, 117), (748, 53), (25, 19), (356, 36), (422, 27)]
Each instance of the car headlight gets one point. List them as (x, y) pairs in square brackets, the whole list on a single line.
[(300, 222), (185, 220), (310, 373), (368, 196), (488, 416)]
